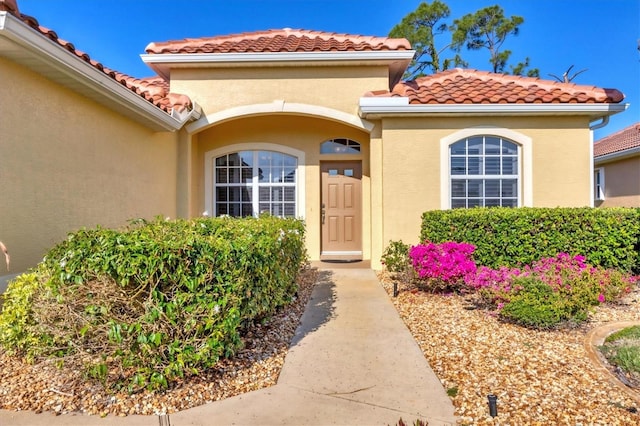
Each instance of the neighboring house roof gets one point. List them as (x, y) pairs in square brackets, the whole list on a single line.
[(466, 86), (150, 89), (280, 40), (621, 142)]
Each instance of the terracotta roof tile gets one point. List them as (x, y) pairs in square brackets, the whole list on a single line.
[(153, 89), (457, 86), (284, 40), (627, 138)]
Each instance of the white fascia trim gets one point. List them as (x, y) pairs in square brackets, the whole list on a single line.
[(526, 160), (385, 106), (82, 72), (617, 155), (209, 168), (275, 57), (279, 107)]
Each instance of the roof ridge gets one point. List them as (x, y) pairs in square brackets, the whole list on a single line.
[(243, 41)]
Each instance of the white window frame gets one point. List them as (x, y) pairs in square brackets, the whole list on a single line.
[(525, 163), (209, 173), (598, 184)]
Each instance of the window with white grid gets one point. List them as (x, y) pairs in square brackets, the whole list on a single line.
[(484, 172), (248, 183)]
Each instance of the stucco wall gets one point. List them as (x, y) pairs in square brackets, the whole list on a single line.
[(328, 86), (411, 165), (66, 162), (621, 183), (301, 133)]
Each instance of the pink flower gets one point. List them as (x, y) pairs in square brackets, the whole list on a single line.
[(601, 298)]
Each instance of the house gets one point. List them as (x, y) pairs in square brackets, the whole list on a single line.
[(616, 174), (297, 123)]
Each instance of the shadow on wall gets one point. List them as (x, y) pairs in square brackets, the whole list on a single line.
[(320, 308)]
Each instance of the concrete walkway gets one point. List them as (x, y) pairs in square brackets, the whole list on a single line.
[(352, 362)]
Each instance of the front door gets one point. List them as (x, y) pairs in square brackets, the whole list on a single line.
[(341, 210)]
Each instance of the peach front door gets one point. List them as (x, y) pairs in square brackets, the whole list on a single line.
[(341, 210)]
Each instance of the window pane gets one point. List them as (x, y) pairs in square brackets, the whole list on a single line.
[(340, 146), (234, 160), (459, 148), (289, 175), (234, 175), (221, 175), (247, 210), (290, 210), (509, 188), (458, 188), (246, 158), (221, 208), (458, 166), (471, 202), (475, 146), (474, 166), (247, 174), (509, 148), (510, 203), (234, 193), (510, 165), (492, 166), (492, 202), (222, 194), (492, 188), (491, 145), (474, 188), (221, 161), (264, 194), (458, 203), (289, 193)]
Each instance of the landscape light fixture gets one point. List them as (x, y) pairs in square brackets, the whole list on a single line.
[(493, 405)]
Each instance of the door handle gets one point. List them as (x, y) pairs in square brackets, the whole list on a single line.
[(323, 213)]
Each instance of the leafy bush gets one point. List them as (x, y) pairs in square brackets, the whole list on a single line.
[(396, 257), (162, 298), (442, 266), (517, 236), (550, 291)]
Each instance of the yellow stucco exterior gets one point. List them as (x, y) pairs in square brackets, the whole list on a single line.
[(68, 162), (621, 182)]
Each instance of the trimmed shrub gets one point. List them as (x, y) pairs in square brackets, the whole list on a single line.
[(162, 298), (517, 236)]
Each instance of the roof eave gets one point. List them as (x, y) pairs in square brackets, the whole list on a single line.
[(619, 155), (375, 108), (396, 60), (31, 49)]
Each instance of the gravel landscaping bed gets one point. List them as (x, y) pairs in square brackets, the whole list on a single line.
[(539, 377), (44, 387)]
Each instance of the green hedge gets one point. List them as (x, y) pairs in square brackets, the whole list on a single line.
[(512, 237), (163, 297)]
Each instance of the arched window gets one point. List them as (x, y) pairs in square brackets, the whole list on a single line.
[(247, 183), (340, 146), (483, 172)]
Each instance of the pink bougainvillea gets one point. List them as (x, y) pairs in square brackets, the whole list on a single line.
[(447, 262)]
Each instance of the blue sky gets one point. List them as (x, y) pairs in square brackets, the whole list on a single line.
[(600, 35)]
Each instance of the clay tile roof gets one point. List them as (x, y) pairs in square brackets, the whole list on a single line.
[(622, 140), (460, 86), (284, 40), (154, 89)]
